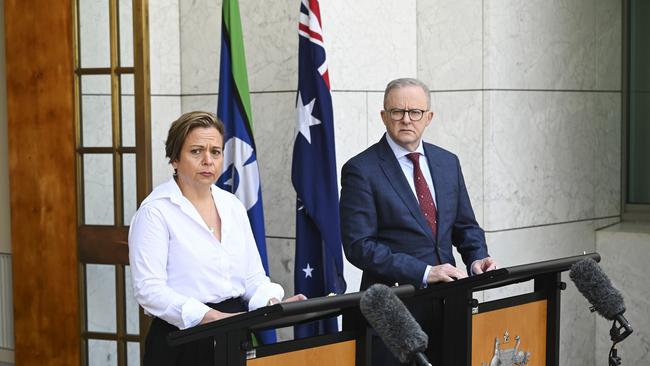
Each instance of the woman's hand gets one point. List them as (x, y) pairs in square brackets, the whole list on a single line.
[(293, 298), (213, 315), (299, 297)]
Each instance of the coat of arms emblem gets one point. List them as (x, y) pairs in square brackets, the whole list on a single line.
[(509, 356)]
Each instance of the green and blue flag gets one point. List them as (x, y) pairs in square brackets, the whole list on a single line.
[(240, 170)]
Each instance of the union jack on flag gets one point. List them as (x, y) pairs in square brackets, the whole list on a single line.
[(319, 258)]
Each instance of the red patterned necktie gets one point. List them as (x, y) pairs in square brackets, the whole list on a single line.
[(427, 205)]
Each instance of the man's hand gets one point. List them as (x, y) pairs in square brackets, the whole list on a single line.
[(444, 273), (484, 265)]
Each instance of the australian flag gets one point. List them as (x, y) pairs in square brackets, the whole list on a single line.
[(240, 171), (319, 259)]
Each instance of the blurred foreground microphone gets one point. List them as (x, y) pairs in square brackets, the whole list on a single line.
[(594, 285), (394, 324)]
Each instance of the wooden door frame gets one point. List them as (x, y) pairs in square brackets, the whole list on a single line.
[(41, 139), (41, 118)]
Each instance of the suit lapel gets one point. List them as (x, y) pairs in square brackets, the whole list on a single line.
[(397, 180)]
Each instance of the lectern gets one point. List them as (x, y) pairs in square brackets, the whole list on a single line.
[(348, 347), (516, 330)]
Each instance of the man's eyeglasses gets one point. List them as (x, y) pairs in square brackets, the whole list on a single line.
[(414, 114)]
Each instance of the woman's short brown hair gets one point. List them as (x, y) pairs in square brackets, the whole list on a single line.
[(180, 128)]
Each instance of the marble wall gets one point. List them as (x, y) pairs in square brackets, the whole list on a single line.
[(527, 93), (165, 63), (551, 141)]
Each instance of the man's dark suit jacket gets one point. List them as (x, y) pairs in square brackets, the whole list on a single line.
[(384, 231)]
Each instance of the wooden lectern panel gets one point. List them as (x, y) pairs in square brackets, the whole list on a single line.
[(514, 335), (335, 354)]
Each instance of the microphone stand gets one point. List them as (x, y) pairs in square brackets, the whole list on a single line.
[(620, 330), (614, 360)]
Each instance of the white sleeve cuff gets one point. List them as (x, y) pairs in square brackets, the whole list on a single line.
[(192, 312), (263, 294), (426, 276)]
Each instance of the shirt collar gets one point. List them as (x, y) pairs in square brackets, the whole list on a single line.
[(401, 152), (170, 190)]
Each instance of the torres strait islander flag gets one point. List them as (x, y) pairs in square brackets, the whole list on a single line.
[(240, 171)]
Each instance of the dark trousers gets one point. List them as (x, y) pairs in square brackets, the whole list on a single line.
[(200, 353)]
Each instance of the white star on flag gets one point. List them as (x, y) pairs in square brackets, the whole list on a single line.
[(305, 118), (307, 271)]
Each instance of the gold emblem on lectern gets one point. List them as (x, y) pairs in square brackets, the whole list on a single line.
[(508, 356)]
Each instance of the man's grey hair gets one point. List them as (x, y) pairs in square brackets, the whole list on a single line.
[(404, 82)]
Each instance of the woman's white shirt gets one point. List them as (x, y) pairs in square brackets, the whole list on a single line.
[(178, 265)]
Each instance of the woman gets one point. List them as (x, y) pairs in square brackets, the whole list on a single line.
[(192, 252)]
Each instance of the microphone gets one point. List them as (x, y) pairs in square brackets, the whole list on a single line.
[(395, 325), (596, 287)]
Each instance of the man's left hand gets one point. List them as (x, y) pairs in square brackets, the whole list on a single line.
[(484, 265)]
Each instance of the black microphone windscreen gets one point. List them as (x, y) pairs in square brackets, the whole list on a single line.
[(594, 285), (393, 322)]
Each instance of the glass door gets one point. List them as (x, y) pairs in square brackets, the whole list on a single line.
[(113, 170)]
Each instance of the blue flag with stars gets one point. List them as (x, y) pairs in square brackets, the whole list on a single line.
[(319, 258)]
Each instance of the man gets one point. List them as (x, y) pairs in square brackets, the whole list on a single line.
[(404, 204)]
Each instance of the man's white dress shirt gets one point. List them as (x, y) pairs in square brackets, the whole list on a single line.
[(178, 265)]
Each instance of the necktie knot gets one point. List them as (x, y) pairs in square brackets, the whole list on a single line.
[(414, 157)]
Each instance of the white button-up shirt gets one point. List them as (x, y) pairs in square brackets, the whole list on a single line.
[(178, 265)]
